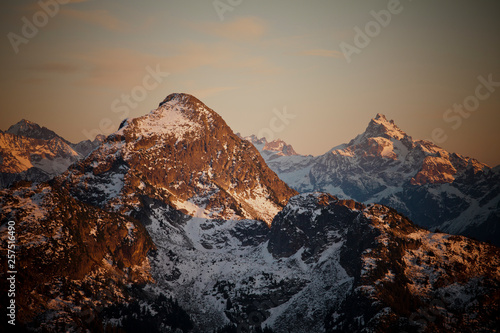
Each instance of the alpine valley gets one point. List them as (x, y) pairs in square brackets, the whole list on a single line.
[(175, 224)]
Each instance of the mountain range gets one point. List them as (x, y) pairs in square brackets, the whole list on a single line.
[(436, 189), (175, 224)]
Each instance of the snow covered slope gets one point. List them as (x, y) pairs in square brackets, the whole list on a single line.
[(433, 187)]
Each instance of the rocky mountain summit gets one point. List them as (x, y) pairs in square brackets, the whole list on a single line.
[(184, 155)]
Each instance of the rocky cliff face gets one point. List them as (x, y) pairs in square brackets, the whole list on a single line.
[(70, 256), (400, 277), (325, 265), (433, 187), (184, 155)]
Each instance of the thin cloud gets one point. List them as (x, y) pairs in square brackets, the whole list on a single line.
[(122, 68), (101, 18), (323, 53), (245, 28)]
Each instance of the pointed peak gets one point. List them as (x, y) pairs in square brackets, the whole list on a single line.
[(380, 116), (24, 123), (380, 127)]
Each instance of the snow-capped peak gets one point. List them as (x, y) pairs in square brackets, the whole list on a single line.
[(182, 98), (178, 115), (380, 127)]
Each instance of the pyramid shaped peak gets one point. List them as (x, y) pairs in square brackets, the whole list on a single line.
[(23, 123), (380, 126)]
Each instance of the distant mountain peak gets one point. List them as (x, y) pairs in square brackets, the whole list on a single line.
[(32, 130), (279, 147), (26, 121), (380, 127), (258, 143), (276, 147)]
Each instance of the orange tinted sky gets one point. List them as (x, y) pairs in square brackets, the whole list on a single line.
[(249, 59)]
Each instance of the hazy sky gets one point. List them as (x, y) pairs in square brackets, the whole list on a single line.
[(333, 65)]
